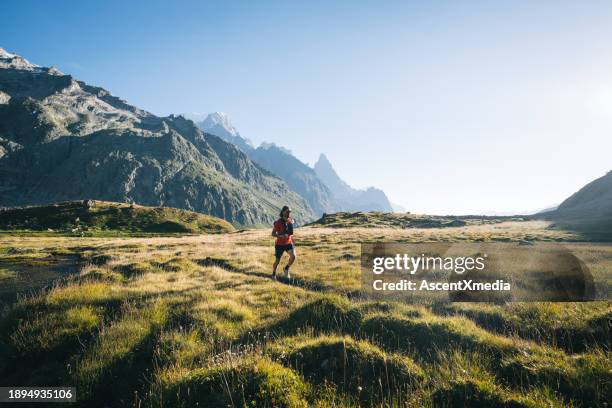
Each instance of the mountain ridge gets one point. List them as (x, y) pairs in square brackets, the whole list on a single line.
[(324, 196), (349, 198), (278, 161), (300, 177), (62, 139), (219, 124)]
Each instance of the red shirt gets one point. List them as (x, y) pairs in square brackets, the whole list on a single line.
[(279, 227)]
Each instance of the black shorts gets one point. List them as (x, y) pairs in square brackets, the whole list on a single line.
[(280, 249)]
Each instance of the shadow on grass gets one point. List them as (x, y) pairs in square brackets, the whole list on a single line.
[(596, 331), (520, 365)]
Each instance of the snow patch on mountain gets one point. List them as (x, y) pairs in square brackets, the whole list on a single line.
[(220, 119), (219, 124), (9, 60)]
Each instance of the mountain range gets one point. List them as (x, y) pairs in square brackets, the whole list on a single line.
[(321, 186), (589, 210), (347, 197), (62, 139)]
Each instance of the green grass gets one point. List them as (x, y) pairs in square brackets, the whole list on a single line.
[(182, 321), (248, 382), (574, 328), (7, 275), (376, 219), (100, 218), (118, 342), (354, 367)]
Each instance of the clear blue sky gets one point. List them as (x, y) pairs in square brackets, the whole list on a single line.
[(450, 107)]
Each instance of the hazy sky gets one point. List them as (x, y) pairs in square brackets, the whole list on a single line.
[(450, 107)]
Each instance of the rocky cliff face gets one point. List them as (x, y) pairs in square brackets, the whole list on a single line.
[(61, 139), (348, 198), (324, 191), (219, 124), (277, 160), (300, 178)]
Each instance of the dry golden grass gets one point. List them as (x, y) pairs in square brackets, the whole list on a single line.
[(177, 321)]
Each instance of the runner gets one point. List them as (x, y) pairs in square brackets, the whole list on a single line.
[(283, 231)]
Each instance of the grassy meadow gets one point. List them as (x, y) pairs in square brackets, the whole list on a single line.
[(195, 320)]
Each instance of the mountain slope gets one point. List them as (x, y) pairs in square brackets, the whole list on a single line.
[(300, 178), (324, 191), (219, 124), (348, 198), (61, 139), (277, 160), (589, 209)]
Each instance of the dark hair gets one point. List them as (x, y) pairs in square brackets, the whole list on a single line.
[(285, 208)]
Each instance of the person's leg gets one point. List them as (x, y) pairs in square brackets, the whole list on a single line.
[(289, 262), (291, 257), (278, 253)]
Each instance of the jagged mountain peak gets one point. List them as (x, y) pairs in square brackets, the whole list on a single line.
[(323, 158), (324, 190), (14, 61), (348, 197), (220, 124), (62, 139), (323, 163), (5, 54), (220, 119), (10, 60), (327, 173)]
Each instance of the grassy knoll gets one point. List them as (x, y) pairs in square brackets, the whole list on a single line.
[(108, 218), (196, 321), (376, 219)]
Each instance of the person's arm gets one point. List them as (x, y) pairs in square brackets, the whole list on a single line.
[(277, 234), (290, 227)]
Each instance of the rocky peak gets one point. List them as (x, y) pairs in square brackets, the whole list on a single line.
[(9, 60), (219, 124), (219, 120), (370, 199), (323, 163), (14, 61), (4, 54), (62, 139)]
